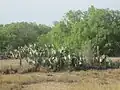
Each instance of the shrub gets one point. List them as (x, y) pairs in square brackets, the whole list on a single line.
[(61, 59)]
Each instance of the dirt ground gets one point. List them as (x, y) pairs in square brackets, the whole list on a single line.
[(80, 80)]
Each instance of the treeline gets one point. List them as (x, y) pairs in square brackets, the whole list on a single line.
[(19, 34), (96, 29)]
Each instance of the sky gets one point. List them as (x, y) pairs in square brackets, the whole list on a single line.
[(46, 11)]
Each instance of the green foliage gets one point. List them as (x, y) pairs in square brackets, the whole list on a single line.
[(15, 35), (62, 59), (83, 34), (100, 26)]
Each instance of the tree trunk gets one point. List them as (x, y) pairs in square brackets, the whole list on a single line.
[(20, 62)]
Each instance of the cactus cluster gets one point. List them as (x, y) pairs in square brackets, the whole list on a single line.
[(60, 59)]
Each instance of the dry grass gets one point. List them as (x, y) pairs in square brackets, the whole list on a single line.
[(4, 64), (82, 80), (69, 86), (13, 66), (114, 59)]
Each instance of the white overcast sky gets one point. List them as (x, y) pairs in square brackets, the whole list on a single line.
[(46, 11)]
